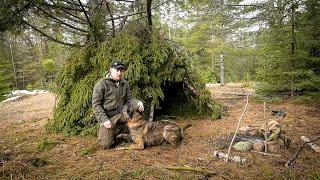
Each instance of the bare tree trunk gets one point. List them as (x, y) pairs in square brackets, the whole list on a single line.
[(23, 80), (149, 14), (13, 65), (222, 74)]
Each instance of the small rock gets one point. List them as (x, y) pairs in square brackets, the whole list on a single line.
[(273, 146), (243, 146), (258, 146), (254, 132)]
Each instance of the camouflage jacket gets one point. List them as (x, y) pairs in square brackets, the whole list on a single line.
[(109, 98)]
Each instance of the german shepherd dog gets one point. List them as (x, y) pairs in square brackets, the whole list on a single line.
[(145, 134)]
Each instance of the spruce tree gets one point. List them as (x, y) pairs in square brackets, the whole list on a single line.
[(289, 45)]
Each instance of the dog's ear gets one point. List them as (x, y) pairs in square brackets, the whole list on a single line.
[(136, 115)]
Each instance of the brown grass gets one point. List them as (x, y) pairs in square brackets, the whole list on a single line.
[(21, 132)]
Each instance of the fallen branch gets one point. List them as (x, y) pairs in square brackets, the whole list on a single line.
[(222, 98), (265, 131), (312, 146), (187, 168), (291, 161), (235, 133), (267, 154), (19, 145), (237, 94)]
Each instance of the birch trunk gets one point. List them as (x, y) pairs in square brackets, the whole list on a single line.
[(151, 112), (312, 146)]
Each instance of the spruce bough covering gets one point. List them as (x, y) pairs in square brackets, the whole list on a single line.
[(152, 63)]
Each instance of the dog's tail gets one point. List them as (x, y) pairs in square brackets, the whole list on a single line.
[(184, 128)]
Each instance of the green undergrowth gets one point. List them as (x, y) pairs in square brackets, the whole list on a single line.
[(154, 64), (45, 144), (268, 99), (89, 150), (312, 98)]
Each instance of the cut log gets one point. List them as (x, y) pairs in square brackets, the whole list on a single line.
[(224, 156), (312, 146)]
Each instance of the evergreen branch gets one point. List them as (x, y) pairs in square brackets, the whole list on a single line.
[(50, 37), (244, 5), (60, 21), (160, 4), (100, 5), (86, 14), (251, 18), (59, 6), (64, 10), (138, 19), (6, 20), (122, 23), (73, 31), (136, 13), (70, 17), (112, 21), (69, 30), (72, 3), (125, 16), (125, 1)]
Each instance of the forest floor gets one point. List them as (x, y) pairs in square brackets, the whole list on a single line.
[(28, 152)]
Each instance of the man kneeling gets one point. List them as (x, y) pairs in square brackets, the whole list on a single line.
[(110, 94)]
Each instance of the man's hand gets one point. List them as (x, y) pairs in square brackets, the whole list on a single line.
[(140, 106), (107, 124)]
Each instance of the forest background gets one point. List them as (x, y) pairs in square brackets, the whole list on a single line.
[(274, 43)]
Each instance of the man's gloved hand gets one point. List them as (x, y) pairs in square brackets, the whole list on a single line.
[(140, 106), (107, 124)]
